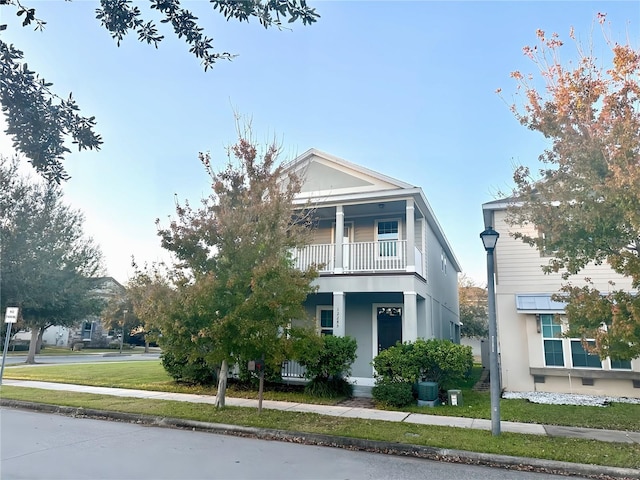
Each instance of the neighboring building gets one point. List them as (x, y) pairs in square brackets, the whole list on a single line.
[(533, 354), (388, 273), (90, 330)]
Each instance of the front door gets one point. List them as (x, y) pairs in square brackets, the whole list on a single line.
[(389, 327)]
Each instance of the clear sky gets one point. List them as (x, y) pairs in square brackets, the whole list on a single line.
[(403, 88)]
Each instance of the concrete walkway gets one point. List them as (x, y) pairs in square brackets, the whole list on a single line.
[(350, 412)]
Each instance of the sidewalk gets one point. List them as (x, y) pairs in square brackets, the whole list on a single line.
[(350, 412)]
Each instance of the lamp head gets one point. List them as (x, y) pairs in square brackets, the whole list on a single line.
[(489, 239)]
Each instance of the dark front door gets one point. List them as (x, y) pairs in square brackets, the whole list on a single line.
[(389, 327)]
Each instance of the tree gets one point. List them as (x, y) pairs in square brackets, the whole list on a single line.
[(39, 121), (586, 197), (239, 289), (473, 309), (47, 263)]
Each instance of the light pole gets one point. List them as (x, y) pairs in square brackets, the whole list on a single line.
[(124, 319), (489, 239)]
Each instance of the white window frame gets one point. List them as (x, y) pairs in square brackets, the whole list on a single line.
[(319, 309), (377, 240)]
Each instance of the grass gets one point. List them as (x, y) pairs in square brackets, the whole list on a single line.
[(150, 375), (561, 449)]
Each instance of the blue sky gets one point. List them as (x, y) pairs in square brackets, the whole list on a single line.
[(404, 88)]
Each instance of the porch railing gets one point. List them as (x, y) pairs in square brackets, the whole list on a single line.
[(382, 256)]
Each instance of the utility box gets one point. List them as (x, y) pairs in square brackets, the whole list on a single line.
[(427, 391), (455, 398)]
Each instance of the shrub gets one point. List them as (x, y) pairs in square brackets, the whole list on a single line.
[(329, 388), (183, 369), (327, 361), (395, 394), (440, 361)]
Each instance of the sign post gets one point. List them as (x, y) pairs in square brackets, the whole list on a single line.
[(10, 317)]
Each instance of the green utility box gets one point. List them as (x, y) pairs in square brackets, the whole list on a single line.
[(427, 391), (455, 397)]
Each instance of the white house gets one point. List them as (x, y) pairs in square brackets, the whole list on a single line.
[(534, 356), (388, 273)]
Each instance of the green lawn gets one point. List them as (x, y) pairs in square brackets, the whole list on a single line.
[(149, 375), (561, 449)]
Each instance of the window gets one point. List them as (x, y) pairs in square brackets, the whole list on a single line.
[(326, 321), (551, 333), (443, 262), (388, 237), (86, 330), (621, 364), (546, 245), (581, 358)]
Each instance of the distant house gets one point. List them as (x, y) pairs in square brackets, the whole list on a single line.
[(89, 330), (388, 272), (534, 356)]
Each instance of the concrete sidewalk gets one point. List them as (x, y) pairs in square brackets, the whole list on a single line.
[(350, 412)]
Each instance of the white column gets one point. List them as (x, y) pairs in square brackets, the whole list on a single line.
[(410, 317), (338, 314), (339, 254), (411, 236)]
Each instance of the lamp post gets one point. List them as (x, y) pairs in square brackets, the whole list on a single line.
[(124, 319), (489, 239)]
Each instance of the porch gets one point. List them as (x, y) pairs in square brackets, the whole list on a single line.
[(378, 256)]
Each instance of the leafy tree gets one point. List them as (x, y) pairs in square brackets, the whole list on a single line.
[(239, 289), (586, 197), (39, 121), (473, 309), (148, 293), (47, 263)]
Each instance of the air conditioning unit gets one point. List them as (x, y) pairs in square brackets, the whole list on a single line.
[(427, 391)]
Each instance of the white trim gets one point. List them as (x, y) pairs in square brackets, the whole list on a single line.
[(320, 308), (375, 236)]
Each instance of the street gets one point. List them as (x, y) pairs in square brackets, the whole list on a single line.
[(89, 358), (45, 446)]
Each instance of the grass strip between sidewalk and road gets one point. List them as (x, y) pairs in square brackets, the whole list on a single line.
[(549, 448), (150, 375)]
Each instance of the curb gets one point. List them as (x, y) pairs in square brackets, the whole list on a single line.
[(417, 451)]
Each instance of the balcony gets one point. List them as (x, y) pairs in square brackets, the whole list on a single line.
[(382, 256)]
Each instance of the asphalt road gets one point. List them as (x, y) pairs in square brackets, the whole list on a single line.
[(45, 446), (92, 358)]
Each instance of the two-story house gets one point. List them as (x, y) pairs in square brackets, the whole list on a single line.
[(534, 353), (387, 273)]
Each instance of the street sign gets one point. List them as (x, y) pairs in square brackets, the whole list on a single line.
[(11, 315)]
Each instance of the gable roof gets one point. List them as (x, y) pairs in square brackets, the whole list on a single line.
[(323, 174), (331, 180)]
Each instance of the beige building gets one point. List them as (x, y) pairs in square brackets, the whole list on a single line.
[(534, 356)]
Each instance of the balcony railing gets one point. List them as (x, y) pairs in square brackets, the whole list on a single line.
[(382, 256)]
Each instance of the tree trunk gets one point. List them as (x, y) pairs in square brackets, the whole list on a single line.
[(146, 345), (31, 357), (39, 341), (222, 384)]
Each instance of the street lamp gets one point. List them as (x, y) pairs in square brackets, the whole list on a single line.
[(489, 239), (124, 319)]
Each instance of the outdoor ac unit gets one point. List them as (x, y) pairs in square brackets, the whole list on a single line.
[(427, 391)]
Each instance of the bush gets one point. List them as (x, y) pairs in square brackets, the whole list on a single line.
[(182, 369), (440, 361), (394, 394), (327, 361), (328, 388)]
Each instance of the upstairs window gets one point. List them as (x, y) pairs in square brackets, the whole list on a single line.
[(388, 236)]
